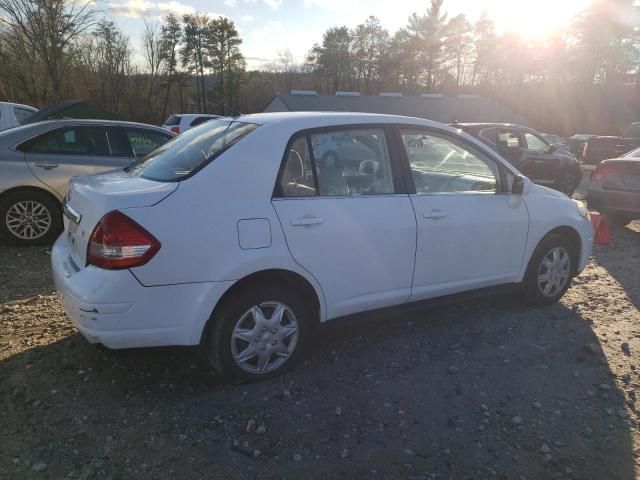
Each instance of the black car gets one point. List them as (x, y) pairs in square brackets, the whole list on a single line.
[(615, 188), (530, 153)]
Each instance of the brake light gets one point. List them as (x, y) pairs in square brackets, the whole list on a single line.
[(117, 242), (175, 130), (603, 170)]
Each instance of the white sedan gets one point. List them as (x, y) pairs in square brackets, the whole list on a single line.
[(239, 236)]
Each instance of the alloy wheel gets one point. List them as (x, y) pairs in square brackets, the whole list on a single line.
[(28, 219)]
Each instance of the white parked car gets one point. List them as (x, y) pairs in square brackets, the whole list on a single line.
[(13, 114), (237, 237), (180, 123)]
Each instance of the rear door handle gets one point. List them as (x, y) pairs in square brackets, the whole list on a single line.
[(435, 214), (47, 165), (306, 221)]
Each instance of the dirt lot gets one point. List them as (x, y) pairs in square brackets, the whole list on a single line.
[(487, 389)]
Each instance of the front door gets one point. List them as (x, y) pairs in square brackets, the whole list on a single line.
[(538, 162), (57, 156), (351, 230), (471, 233)]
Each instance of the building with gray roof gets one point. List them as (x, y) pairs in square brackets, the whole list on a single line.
[(444, 109)]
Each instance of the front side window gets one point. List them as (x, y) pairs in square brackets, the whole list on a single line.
[(191, 151), (535, 143), (440, 165), (143, 142), (352, 162), (82, 140)]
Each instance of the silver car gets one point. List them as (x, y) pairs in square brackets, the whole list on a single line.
[(37, 161)]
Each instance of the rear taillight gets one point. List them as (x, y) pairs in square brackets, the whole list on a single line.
[(175, 130), (603, 170), (118, 242)]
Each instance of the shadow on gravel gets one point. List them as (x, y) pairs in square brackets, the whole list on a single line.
[(24, 272), (485, 389), (621, 258)]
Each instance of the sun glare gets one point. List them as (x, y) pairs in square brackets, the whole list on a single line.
[(535, 19)]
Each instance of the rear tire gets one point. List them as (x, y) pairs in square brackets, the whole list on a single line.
[(259, 333), (29, 217), (550, 270)]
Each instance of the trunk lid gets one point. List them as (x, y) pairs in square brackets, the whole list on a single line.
[(625, 176), (91, 197)]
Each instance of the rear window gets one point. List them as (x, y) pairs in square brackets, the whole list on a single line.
[(188, 153), (173, 120), (633, 154), (200, 120)]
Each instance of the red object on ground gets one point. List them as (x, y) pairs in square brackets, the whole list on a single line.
[(601, 227)]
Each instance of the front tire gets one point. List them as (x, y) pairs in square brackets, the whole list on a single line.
[(258, 334), (550, 270), (568, 184), (29, 217)]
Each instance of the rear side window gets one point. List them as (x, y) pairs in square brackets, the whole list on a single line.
[(188, 153), (342, 162), (173, 120), (86, 141), (143, 142)]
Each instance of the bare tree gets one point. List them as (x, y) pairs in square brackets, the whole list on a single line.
[(171, 34), (154, 58), (287, 65), (49, 26)]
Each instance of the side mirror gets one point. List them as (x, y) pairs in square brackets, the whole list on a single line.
[(517, 187), (553, 148)]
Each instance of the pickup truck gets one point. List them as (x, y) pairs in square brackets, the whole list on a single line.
[(597, 149)]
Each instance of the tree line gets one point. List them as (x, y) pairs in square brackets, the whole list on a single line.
[(435, 52), (56, 49), (586, 76)]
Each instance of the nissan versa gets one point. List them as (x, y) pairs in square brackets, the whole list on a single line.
[(242, 235)]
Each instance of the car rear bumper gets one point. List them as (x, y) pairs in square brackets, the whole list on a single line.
[(112, 308), (613, 201)]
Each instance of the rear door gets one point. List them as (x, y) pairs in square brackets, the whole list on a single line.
[(60, 154), (471, 232), (357, 237)]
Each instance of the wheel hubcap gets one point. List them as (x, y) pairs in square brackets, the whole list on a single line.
[(28, 219), (264, 337), (553, 273)]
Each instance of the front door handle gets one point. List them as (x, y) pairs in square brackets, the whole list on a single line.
[(47, 165), (435, 214), (306, 221)]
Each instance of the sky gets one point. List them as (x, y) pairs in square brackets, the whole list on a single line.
[(271, 26)]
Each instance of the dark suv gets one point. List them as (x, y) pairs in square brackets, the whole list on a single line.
[(528, 151)]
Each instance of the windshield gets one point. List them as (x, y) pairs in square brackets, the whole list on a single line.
[(187, 153), (633, 154)]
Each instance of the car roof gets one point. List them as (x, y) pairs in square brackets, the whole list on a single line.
[(331, 118), (488, 125), (19, 105), (108, 123)]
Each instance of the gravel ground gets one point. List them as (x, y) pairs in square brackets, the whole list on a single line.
[(483, 389)]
